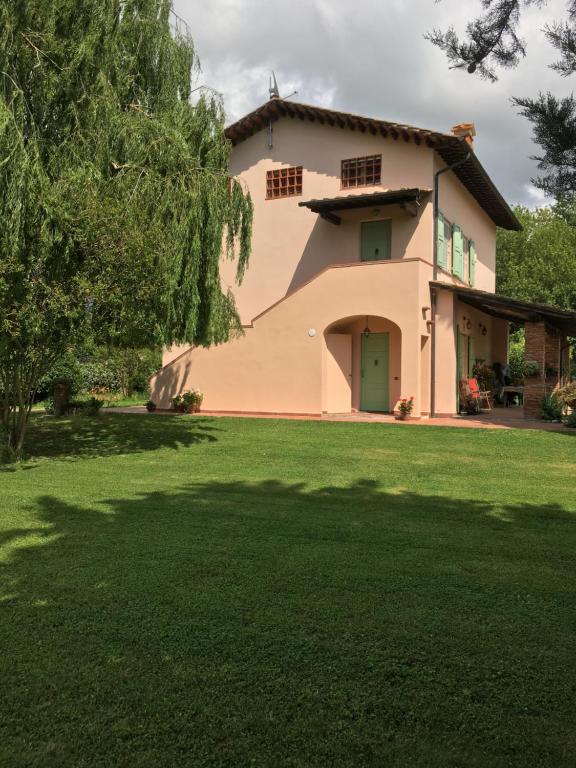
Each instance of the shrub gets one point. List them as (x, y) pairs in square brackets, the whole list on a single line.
[(552, 408), (132, 367), (99, 376), (571, 420), (92, 406), (516, 357), (188, 402), (567, 395), (484, 375), (67, 371), (530, 368)]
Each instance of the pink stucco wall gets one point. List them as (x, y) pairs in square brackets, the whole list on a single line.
[(278, 365), (292, 244), (458, 205)]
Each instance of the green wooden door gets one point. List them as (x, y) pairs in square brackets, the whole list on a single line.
[(376, 240), (374, 395)]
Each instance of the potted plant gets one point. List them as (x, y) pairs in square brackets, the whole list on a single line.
[(405, 407), (188, 402), (198, 398), (484, 375), (150, 406), (530, 369), (567, 395)]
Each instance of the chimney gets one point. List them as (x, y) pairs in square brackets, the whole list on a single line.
[(465, 131)]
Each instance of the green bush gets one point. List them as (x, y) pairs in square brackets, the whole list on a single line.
[(188, 401), (66, 370), (552, 408), (516, 357), (129, 369), (530, 368), (99, 376), (571, 420)]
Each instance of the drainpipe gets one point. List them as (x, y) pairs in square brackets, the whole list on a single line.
[(435, 277)]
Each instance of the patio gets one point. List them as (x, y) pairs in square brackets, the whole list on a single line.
[(498, 418)]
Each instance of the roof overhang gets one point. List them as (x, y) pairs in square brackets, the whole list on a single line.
[(327, 208), (450, 148), (513, 310)]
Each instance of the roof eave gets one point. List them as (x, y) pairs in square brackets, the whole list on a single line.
[(519, 310), (446, 145)]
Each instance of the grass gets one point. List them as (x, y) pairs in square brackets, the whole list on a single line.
[(179, 591)]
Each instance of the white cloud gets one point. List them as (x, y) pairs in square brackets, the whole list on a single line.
[(370, 57)]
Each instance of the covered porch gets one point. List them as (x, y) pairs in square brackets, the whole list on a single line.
[(481, 327)]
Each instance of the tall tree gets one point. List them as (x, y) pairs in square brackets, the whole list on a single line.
[(538, 264), (493, 40), (115, 197)]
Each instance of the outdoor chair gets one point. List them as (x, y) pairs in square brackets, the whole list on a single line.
[(481, 395)]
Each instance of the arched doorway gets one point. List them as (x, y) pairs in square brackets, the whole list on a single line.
[(362, 370)]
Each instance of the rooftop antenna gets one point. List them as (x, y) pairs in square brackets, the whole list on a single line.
[(274, 91), (273, 88), (274, 94)]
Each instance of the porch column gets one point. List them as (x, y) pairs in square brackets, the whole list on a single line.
[(535, 351), (499, 340), (564, 360), (552, 371)]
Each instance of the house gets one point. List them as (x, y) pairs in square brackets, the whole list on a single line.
[(372, 273)]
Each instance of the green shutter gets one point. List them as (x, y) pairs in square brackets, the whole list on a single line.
[(471, 358), (471, 263), (457, 252), (440, 243)]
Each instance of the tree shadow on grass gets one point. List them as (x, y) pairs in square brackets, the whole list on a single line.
[(111, 434), (236, 624)]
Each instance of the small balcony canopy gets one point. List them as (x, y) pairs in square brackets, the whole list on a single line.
[(409, 199)]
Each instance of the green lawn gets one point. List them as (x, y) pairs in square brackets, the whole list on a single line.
[(179, 591)]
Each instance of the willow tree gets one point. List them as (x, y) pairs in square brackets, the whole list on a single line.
[(115, 199)]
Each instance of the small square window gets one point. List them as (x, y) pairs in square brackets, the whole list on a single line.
[(361, 171), (284, 182)]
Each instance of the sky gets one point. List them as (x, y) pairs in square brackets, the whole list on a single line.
[(370, 57)]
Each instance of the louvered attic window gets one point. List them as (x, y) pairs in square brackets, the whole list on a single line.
[(361, 171), (283, 182)]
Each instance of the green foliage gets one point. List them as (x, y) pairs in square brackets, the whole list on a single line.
[(66, 370), (484, 374), (132, 368), (552, 408), (516, 356), (188, 401), (571, 420), (115, 197), (538, 264), (99, 376), (530, 368), (92, 406)]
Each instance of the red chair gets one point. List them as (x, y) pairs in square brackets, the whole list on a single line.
[(482, 395)]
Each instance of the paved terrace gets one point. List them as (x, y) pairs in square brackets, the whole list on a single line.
[(498, 418)]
